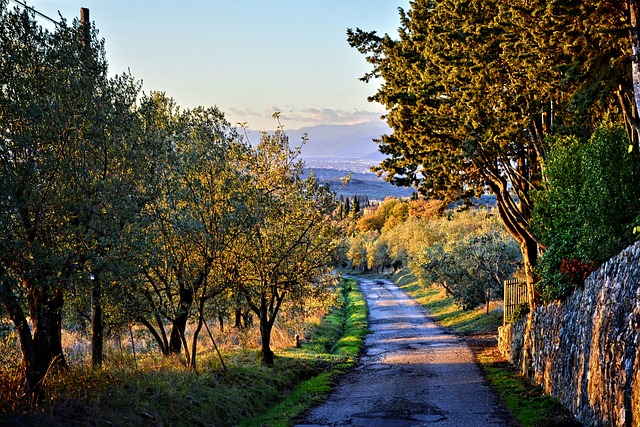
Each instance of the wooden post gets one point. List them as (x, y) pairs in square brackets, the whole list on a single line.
[(85, 23)]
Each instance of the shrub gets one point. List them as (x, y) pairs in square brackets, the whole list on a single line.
[(585, 213), (576, 271), (475, 256)]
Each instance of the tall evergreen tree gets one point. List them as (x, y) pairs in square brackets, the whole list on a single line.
[(473, 88)]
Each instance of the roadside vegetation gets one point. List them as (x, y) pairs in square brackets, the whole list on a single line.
[(122, 212), (159, 390), (465, 250), (155, 264), (336, 343)]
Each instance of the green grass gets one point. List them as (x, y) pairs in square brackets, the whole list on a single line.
[(338, 341), (528, 404), (161, 391)]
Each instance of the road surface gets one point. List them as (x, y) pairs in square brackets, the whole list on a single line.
[(412, 373)]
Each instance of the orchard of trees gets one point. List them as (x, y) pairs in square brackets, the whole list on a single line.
[(467, 252), (535, 102), (117, 207)]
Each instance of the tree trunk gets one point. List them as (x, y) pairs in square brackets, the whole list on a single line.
[(194, 346), (160, 337), (177, 329), (265, 339), (97, 326), (248, 319), (529, 249), (194, 341), (516, 222), (265, 334), (180, 322), (41, 351), (238, 320)]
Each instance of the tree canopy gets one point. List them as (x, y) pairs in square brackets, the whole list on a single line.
[(118, 207), (473, 88)]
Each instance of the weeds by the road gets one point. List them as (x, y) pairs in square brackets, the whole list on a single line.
[(162, 391), (339, 338)]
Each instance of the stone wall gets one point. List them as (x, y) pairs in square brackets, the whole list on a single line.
[(586, 350)]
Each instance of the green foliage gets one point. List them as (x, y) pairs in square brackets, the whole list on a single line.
[(519, 312), (340, 334), (117, 207), (473, 89), (71, 178), (587, 209), (163, 391), (474, 257), (289, 252), (469, 253), (388, 213)]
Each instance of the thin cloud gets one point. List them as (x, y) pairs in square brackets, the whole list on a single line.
[(292, 117), (334, 117)]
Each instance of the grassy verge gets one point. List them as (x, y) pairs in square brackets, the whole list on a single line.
[(446, 312), (161, 391), (338, 340), (527, 402), (529, 405)]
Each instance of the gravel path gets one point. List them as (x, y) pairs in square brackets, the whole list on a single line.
[(412, 373)]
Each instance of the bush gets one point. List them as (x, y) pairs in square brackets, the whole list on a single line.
[(475, 256), (586, 212), (576, 271)]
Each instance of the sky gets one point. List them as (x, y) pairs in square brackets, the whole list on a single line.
[(248, 57)]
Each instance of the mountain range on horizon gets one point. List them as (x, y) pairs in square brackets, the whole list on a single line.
[(339, 142), (342, 141), (335, 151)]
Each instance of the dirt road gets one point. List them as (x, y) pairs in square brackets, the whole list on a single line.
[(412, 373)]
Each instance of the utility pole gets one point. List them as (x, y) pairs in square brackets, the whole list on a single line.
[(97, 326), (85, 23)]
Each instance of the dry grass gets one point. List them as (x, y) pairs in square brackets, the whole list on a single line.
[(238, 347), (10, 373), (156, 390)]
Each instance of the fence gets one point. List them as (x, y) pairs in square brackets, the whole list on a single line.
[(515, 293)]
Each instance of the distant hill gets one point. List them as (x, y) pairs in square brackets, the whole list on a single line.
[(335, 151), (360, 183), (341, 141), (349, 147)]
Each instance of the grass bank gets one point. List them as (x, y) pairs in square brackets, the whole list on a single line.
[(527, 402), (337, 340), (161, 391)]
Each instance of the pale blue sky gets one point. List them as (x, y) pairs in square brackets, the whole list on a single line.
[(248, 57)]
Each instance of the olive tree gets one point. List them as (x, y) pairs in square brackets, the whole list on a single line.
[(289, 252), (66, 183), (473, 258)]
